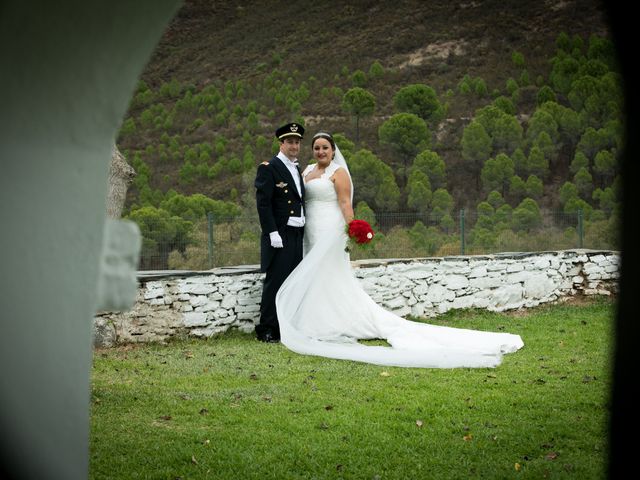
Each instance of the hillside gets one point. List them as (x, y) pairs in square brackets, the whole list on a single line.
[(225, 75)]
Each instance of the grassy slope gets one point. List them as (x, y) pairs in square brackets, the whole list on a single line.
[(220, 41)]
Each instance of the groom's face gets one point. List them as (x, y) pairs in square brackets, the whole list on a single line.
[(290, 146)]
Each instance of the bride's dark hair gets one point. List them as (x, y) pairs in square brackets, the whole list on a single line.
[(326, 136)]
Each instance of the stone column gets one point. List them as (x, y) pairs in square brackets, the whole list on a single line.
[(68, 72)]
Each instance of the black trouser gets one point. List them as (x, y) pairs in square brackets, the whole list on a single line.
[(282, 264)]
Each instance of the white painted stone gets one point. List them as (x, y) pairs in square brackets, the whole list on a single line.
[(477, 272), (197, 300), (246, 327), (443, 307), (480, 302), (195, 319), (246, 300), (456, 282), (463, 302), (487, 282), (208, 307), (197, 288), (591, 268), (496, 266), (209, 331), (419, 273), (221, 320), (229, 301), (541, 263), (153, 293), (538, 286), (506, 295), (518, 277), (438, 294), (515, 267), (403, 311), (421, 289), (247, 308)]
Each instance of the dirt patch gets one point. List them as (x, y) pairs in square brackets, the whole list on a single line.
[(434, 51)]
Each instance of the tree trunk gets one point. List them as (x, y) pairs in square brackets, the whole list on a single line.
[(121, 174)]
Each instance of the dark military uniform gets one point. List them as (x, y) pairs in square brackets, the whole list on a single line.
[(277, 199)]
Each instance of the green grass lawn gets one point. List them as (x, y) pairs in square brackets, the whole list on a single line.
[(234, 408)]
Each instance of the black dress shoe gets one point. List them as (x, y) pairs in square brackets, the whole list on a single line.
[(269, 338)]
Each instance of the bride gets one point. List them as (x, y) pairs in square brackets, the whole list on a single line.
[(323, 310)]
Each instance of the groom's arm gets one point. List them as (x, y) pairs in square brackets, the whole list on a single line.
[(265, 186)]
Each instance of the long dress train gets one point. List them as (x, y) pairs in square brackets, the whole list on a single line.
[(323, 310)]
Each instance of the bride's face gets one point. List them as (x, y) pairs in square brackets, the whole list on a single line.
[(322, 152)]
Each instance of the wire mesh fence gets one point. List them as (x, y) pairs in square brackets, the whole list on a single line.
[(204, 243)]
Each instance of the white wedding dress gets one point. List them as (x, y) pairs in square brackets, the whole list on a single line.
[(323, 310)]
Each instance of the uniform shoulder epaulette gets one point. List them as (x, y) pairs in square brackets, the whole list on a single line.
[(264, 163)]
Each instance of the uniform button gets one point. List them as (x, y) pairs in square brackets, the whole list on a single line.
[(288, 201), (286, 191), (291, 212)]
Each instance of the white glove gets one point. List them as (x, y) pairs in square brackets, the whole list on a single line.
[(276, 240)]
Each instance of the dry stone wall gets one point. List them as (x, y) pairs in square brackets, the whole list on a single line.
[(203, 304)]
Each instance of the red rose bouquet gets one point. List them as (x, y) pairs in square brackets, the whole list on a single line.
[(360, 233)]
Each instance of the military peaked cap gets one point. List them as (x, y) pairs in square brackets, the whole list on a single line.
[(290, 130)]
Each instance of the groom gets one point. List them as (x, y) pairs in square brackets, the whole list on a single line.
[(279, 198)]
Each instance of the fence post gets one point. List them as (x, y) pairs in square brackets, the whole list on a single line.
[(580, 229), (210, 238), (462, 231)]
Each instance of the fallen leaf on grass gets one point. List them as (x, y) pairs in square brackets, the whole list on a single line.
[(467, 437), (385, 374), (419, 423), (193, 460), (517, 467), (551, 456)]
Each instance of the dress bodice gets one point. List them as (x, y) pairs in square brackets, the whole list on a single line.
[(320, 189), (324, 217)]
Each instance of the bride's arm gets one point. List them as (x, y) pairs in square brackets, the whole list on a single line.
[(343, 189)]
